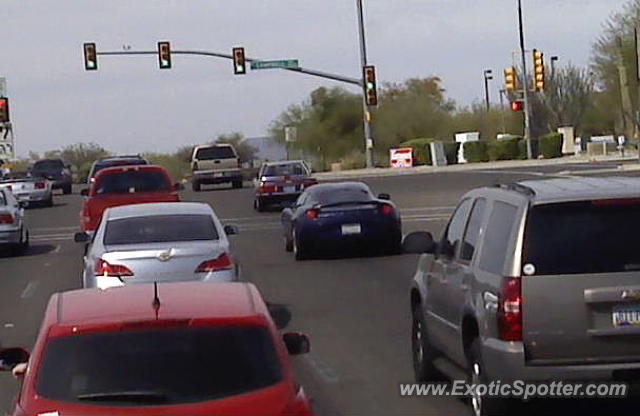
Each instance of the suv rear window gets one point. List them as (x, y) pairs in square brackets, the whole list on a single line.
[(215, 152), (583, 237), (160, 228), (163, 366), (48, 165), (132, 181)]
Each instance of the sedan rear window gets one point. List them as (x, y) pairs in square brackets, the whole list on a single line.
[(163, 366), (284, 170), (132, 181), (215, 152), (583, 237), (160, 228)]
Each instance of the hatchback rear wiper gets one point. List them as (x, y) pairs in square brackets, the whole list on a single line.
[(126, 396)]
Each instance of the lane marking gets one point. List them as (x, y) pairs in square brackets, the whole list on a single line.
[(30, 289), (9, 325), (57, 249)]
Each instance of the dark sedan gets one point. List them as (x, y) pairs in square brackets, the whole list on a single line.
[(339, 216), (281, 182)]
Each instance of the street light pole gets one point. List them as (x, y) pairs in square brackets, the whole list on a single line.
[(487, 78), (368, 125), (525, 85)]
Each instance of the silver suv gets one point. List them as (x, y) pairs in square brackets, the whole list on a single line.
[(533, 281)]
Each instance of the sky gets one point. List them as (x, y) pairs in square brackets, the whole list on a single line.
[(129, 105)]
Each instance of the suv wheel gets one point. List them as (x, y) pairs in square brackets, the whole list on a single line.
[(195, 185), (423, 351), (258, 204), (483, 405)]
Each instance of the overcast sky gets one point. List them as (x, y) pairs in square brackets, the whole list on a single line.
[(129, 105)]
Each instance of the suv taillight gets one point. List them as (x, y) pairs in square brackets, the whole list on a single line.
[(6, 218), (510, 309), (103, 268), (222, 262), (40, 185)]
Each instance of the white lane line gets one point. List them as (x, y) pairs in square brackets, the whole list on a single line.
[(56, 229), (8, 325), (30, 289), (45, 238), (449, 208), (323, 371), (57, 249)]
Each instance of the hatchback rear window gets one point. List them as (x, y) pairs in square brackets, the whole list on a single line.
[(132, 181), (164, 366), (160, 228), (583, 237), (216, 152)]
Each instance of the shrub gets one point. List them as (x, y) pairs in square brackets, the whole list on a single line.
[(451, 152), (421, 150), (522, 149), (503, 149), (551, 145), (476, 152), (354, 160)]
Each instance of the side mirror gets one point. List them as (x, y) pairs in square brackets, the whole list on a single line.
[(385, 197), (280, 314), (231, 230), (419, 242), (11, 357), (84, 192), (297, 343), (81, 237)]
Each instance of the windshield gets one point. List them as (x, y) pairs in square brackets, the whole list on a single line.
[(215, 152), (292, 169), (168, 366), (583, 237), (339, 195), (160, 228), (131, 182)]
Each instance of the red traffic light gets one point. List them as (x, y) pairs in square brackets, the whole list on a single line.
[(164, 55), (239, 61), (4, 110), (517, 106)]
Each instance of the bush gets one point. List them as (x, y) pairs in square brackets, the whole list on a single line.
[(476, 152), (451, 152), (551, 145), (421, 150), (354, 160), (503, 149), (522, 149)]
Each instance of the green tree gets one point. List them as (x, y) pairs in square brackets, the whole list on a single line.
[(82, 155)]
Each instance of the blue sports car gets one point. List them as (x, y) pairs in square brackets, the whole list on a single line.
[(339, 216)]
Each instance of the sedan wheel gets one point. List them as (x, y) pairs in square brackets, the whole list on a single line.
[(298, 251)]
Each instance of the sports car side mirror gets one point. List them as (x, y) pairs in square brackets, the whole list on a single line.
[(11, 357), (419, 242), (297, 343)]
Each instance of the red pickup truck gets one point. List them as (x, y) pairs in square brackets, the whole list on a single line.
[(125, 185)]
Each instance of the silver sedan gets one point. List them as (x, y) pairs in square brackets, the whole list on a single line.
[(29, 190), (159, 242), (13, 228)]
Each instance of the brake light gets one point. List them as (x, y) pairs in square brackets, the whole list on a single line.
[(267, 188), (6, 218), (40, 185), (223, 262), (510, 310), (104, 268), (386, 209), (313, 213)]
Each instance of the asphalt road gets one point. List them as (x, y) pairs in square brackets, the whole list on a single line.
[(355, 310)]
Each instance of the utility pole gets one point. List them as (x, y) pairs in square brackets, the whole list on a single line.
[(368, 124), (525, 85), (487, 77), (502, 92)]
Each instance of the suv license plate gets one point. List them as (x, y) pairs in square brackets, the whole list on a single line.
[(626, 316), (351, 229)]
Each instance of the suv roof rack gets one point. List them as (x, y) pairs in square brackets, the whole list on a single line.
[(517, 187)]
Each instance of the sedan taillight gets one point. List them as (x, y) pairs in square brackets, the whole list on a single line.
[(104, 268), (510, 310), (6, 218), (40, 185), (267, 188), (222, 262)]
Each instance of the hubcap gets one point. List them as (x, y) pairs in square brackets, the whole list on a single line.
[(476, 399), (417, 341)]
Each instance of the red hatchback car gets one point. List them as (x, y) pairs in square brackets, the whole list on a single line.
[(125, 185), (194, 349)]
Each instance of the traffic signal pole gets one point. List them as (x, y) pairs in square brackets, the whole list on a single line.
[(368, 125), (525, 86)]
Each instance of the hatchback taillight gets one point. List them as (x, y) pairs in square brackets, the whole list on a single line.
[(386, 209), (104, 268), (6, 218), (40, 185), (222, 262), (510, 310), (312, 213)]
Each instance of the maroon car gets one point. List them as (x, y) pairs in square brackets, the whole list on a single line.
[(281, 182)]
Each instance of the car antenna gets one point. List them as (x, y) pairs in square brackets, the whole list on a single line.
[(156, 299)]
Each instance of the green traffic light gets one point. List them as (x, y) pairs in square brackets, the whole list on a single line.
[(240, 68)]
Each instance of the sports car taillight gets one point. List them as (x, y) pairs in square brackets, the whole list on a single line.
[(386, 209), (40, 185), (103, 268), (6, 218), (222, 262), (313, 213)]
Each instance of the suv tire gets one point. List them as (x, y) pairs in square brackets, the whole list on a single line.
[(259, 204), (484, 406), (423, 352)]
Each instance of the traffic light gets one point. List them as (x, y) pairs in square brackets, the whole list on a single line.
[(90, 57), (370, 87), (164, 55), (539, 72), (517, 106), (239, 62), (511, 79), (4, 110)]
